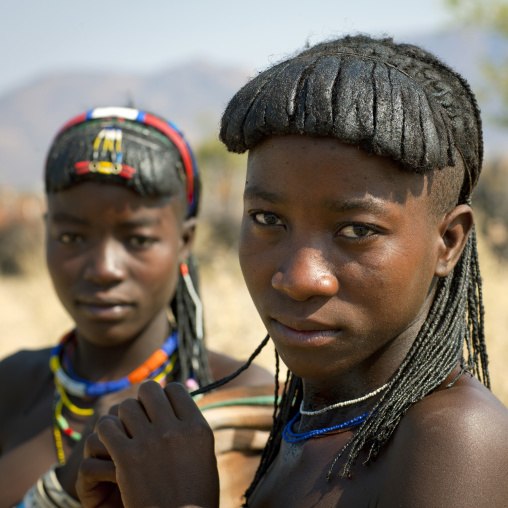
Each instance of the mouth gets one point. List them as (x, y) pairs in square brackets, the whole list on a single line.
[(104, 308), (304, 333)]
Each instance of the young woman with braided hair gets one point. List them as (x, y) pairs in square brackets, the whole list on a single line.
[(123, 193), (358, 248)]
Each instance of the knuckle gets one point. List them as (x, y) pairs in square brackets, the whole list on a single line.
[(175, 388), (90, 444), (148, 387), (128, 406), (85, 467), (104, 424)]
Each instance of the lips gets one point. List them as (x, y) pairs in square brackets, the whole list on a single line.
[(304, 333), (104, 308)]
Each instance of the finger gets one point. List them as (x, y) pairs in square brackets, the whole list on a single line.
[(181, 402), (93, 471), (133, 417), (113, 418), (155, 402), (113, 410), (112, 433), (94, 448)]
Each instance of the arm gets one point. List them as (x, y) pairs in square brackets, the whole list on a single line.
[(26, 449), (163, 451)]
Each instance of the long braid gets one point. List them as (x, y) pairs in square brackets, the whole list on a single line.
[(192, 354), (227, 379), (284, 410)]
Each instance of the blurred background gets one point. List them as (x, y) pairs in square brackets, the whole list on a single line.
[(184, 61)]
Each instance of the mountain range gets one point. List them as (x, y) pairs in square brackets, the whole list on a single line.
[(193, 95)]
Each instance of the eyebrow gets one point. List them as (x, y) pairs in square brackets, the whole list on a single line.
[(142, 221), (255, 191), (364, 203), (67, 218), (64, 217)]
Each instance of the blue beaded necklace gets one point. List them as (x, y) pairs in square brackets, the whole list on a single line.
[(293, 437)]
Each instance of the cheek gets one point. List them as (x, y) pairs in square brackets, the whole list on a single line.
[(61, 270), (394, 284), (255, 261), (158, 272)]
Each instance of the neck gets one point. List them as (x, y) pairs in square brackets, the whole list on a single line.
[(364, 378), (98, 362)]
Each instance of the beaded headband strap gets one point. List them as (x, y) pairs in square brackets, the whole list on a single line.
[(169, 129)]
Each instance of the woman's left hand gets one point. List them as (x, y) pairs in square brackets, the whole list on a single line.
[(163, 449)]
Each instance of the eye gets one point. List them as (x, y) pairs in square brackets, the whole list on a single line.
[(141, 241), (357, 231), (266, 218), (70, 238)]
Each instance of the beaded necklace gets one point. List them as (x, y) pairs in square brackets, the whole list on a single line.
[(159, 367), (343, 403), (79, 387), (294, 437)]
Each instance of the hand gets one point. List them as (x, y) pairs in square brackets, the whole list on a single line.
[(163, 450), (96, 485), (67, 474)]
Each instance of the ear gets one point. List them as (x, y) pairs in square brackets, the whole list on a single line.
[(187, 236), (455, 228)]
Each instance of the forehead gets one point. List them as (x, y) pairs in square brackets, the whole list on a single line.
[(93, 201), (313, 170)]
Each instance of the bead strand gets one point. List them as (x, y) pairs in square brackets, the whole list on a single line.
[(343, 403), (294, 437)]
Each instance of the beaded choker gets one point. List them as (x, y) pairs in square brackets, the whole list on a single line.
[(294, 437), (159, 367), (79, 387), (344, 403)]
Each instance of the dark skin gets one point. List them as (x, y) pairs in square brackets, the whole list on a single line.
[(341, 252), (114, 260)]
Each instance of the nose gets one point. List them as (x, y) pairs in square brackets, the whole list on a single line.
[(106, 264), (304, 274)]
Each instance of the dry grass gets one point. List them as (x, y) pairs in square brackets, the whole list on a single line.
[(31, 316)]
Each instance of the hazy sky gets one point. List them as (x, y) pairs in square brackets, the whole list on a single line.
[(41, 36)]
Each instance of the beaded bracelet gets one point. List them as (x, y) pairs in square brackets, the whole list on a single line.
[(47, 492)]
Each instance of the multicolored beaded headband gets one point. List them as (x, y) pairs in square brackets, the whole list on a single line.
[(110, 138)]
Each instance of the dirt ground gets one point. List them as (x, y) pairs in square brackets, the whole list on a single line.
[(31, 316)]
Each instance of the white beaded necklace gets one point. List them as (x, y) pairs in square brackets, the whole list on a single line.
[(343, 403)]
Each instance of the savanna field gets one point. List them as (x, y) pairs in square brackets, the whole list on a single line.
[(32, 317)]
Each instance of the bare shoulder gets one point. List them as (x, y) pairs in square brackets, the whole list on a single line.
[(450, 447), (222, 365), (19, 373)]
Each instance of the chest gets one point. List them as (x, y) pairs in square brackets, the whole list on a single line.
[(298, 478)]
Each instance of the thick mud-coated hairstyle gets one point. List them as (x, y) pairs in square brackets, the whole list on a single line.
[(393, 100), (127, 147), (143, 152)]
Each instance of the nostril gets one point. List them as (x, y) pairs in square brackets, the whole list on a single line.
[(277, 280), (303, 284), (329, 284)]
